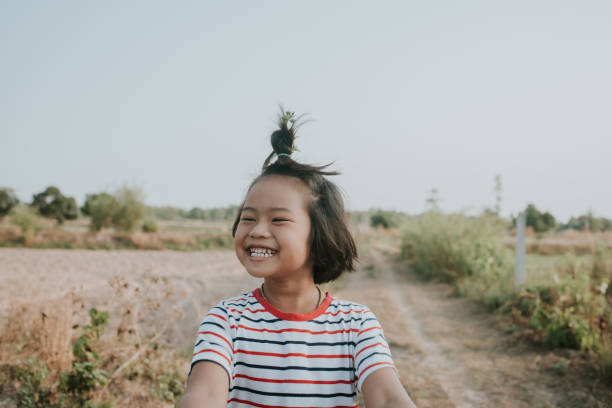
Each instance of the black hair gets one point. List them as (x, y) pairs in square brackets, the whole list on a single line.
[(332, 247)]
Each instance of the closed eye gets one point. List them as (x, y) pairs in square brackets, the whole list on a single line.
[(247, 219), (278, 220)]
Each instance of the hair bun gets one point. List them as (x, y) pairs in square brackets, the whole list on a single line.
[(283, 138)]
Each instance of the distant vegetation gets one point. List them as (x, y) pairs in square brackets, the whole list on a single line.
[(121, 214)]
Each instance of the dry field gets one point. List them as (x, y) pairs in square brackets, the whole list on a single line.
[(449, 352)]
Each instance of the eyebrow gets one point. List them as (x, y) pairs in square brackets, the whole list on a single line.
[(269, 209)]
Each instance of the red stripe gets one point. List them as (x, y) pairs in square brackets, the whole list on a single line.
[(371, 328), (262, 353), (372, 365), (293, 330), (341, 311), (219, 336), (292, 381), (371, 345), (214, 351), (216, 315), (250, 310), (255, 404)]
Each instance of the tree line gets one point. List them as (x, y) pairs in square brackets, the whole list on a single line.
[(124, 210)]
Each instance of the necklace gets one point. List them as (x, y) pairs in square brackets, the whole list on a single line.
[(265, 297)]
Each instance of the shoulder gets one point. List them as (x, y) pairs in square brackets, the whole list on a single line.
[(347, 308), (233, 307)]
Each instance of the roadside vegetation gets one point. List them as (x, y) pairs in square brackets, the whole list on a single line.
[(565, 302)]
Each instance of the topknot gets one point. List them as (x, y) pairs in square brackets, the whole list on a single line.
[(283, 138)]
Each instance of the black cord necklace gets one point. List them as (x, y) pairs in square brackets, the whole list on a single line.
[(265, 297)]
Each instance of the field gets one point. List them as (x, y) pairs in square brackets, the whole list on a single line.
[(450, 351)]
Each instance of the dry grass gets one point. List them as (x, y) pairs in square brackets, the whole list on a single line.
[(54, 237), (131, 349)]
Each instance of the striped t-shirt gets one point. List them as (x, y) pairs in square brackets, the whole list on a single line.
[(276, 359)]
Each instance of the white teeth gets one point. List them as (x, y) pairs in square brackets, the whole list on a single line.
[(261, 252)]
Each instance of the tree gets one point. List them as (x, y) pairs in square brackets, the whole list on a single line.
[(101, 208), (8, 200), (52, 203), (540, 221)]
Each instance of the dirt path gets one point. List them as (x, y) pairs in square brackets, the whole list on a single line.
[(450, 353)]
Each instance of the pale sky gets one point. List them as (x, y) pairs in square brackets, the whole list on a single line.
[(180, 98)]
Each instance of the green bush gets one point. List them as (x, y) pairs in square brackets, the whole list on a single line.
[(123, 210), (130, 211), (383, 219), (574, 309), (149, 226), (26, 218), (450, 247), (539, 221), (100, 208), (52, 203), (8, 200)]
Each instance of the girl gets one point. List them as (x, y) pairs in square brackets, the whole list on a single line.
[(287, 344)]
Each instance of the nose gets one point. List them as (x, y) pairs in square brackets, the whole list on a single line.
[(259, 230)]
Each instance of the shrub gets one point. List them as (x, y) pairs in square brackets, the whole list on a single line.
[(149, 226), (453, 246), (8, 200), (101, 208), (383, 219), (52, 203), (130, 211), (26, 218), (122, 210)]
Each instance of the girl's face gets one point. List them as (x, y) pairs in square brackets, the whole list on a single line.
[(272, 238)]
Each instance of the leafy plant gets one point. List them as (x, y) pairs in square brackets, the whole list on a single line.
[(86, 374)]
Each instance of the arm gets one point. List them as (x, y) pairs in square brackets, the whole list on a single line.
[(382, 389), (207, 387)]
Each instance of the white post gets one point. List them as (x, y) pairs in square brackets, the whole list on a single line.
[(520, 251)]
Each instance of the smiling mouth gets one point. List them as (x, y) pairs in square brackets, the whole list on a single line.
[(261, 253)]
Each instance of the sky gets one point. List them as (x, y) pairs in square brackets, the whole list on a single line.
[(179, 99)]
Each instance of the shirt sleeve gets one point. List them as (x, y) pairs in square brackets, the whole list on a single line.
[(371, 350), (214, 341)]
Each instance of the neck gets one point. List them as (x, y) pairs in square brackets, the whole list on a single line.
[(292, 296)]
